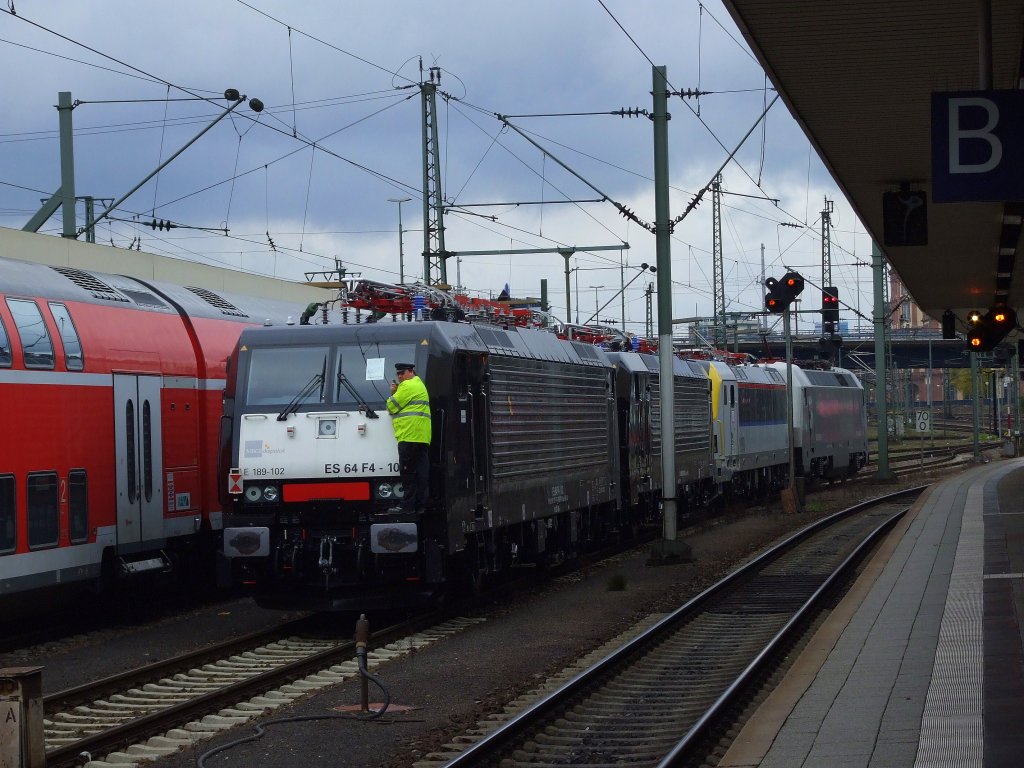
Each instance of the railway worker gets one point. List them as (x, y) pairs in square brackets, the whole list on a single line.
[(409, 406)]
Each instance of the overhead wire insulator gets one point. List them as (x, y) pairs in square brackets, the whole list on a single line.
[(632, 112)]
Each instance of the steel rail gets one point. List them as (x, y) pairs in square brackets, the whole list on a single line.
[(488, 747), (685, 744), (159, 722)]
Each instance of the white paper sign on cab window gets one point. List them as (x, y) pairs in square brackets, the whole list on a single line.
[(375, 369)]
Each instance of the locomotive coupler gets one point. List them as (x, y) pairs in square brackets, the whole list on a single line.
[(327, 559), (327, 552)]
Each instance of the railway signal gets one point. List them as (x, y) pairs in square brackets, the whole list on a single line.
[(781, 293), (830, 304), (948, 324), (991, 329), (773, 299)]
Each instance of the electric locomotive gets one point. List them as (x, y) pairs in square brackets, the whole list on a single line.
[(638, 395), (829, 421), (524, 459), (748, 405)]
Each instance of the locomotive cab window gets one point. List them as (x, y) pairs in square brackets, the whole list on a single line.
[(43, 510), (363, 374), (8, 528), (36, 344), (5, 347), (279, 375), (73, 359)]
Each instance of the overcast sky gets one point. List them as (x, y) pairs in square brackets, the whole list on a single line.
[(343, 75)]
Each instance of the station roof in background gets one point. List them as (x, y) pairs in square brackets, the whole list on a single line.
[(858, 76), (65, 252)]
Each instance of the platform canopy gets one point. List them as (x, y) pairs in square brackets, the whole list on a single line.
[(859, 76)]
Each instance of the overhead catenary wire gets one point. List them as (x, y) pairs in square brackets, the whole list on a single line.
[(545, 176), (160, 153), (185, 90)]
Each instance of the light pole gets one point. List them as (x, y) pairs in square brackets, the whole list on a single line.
[(401, 254), (577, 291), (595, 287)]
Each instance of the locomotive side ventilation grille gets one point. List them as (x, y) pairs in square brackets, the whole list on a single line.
[(692, 412), (546, 420), (96, 287), (214, 300), (495, 339), (144, 299), (824, 379), (586, 351), (740, 373)]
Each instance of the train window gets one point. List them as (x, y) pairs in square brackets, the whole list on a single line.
[(35, 339), (277, 375), (78, 506), (73, 359), (363, 373), (147, 451), (43, 510), (5, 347), (8, 526), (129, 439)]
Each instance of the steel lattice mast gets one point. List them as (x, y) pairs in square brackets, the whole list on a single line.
[(826, 244), (435, 269), (718, 271)]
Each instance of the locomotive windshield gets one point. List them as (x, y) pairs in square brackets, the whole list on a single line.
[(278, 374), (363, 373), (356, 374)]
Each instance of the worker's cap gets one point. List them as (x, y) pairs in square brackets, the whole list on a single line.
[(404, 367)]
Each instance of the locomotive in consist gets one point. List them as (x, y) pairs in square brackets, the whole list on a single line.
[(541, 447), (111, 399)]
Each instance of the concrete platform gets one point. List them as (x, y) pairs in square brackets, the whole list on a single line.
[(922, 663)]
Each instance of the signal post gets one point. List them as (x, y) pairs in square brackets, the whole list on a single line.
[(782, 293)]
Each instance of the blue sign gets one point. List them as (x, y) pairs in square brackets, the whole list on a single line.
[(977, 146)]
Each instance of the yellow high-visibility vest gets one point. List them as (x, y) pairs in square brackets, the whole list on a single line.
[(410, 412)]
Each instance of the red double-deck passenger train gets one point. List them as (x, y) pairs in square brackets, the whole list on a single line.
[(110, 398)]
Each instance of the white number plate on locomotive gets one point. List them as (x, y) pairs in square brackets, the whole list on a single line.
[(304, 446)]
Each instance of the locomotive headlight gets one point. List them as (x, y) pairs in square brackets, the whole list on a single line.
[(327, 428), (399, 490), (270, 493), (384, 491), (253, 493)]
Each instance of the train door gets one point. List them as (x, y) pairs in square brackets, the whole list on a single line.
[(735, 436), (642, 425), (139, 465), (473, 421)]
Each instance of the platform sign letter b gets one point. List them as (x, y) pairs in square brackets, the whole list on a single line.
[(977, 146), (958, 134)]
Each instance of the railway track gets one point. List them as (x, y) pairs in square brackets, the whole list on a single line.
[(652, 700), (915, 458), (158, 709)]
